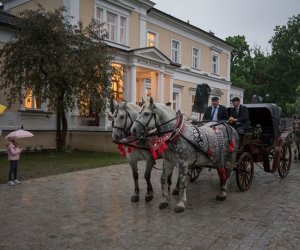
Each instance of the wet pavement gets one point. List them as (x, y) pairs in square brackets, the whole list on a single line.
[(92, 210)]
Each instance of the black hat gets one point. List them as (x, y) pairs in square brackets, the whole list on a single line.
[(215, 98), (235, 99)]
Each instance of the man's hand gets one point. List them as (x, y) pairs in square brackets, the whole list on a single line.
[(232, 120)]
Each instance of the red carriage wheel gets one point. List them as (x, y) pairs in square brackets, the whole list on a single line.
[(285, 160), (244, 171)]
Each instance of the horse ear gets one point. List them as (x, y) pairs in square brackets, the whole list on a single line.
[(151, 100), (115, 103), (109, 115), (143, 101)]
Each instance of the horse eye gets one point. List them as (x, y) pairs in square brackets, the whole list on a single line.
[(122, 116), (146, 113)]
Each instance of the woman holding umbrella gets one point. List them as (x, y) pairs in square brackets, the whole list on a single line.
[(13, 152)]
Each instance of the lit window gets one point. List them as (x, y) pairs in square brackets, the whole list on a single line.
[(196, 58), (31, 101), (215, 64), (151, 39), (117, 83), (175, 51)]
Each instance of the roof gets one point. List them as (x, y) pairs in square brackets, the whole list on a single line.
[(7, 19), (207, 34), (274, 109)]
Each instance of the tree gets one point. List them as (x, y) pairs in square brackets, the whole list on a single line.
[(65, 65), (285, 59)]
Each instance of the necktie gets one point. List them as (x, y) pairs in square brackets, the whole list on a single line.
[(237, 112), (213, 113)]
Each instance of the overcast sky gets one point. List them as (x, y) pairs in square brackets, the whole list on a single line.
[(255, 19)]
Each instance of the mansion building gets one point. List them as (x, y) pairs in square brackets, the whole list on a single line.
[(160, 56)]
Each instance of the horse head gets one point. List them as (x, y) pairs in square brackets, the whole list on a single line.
[(153, 116), (123, 118)]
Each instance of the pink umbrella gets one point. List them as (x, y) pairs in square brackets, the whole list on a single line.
[(20, 133)]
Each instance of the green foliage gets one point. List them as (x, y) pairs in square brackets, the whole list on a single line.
[(274, 76), (65, 65), (285, 59)]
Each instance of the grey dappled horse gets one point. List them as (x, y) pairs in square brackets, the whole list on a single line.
[(123, 118), (207, 146), (296, 138)]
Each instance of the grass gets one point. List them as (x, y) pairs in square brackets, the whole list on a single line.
[(35, 165)]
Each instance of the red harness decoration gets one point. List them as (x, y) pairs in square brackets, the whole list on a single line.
[(158, 144), (122, 150)]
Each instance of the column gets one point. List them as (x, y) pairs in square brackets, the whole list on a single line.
[(133, 84), (228, 66), (171, 89), (161, 84), (126, 82), (154, 89), (143, 30)]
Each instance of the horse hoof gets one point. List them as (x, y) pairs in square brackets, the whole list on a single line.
[(148, 198), (220, 198), (175, 192), (135, 198), (178, 209), (163, 205)]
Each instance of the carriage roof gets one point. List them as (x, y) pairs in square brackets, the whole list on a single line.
[(267, 115)]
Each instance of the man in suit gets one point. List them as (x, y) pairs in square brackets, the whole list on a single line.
[(215, 112), (239, 116)]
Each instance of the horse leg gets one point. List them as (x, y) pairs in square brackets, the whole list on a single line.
[(149, 194), (176, 189), (182, 188), (165, 177), (135, 197), (223, 184)]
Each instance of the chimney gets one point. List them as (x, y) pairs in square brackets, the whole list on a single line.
[(211, 32)]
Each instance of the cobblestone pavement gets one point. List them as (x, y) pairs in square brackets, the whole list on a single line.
[(92, 210)]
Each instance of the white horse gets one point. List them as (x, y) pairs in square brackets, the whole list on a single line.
[(123, 118), (184, 145), (296, 138)]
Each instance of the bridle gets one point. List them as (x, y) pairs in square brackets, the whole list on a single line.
[(124, 129), (157, 127)]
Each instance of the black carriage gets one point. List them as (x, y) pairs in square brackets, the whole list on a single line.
[(266, 143)]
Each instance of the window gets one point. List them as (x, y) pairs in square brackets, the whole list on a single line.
[(111, 26), (215, 64), (115, 25), (151, 39), (176, 98), (31, 101), (175, 51), (117, 82), (123, 30), (196, 58)]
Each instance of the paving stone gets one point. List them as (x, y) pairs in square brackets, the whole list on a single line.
[(92, 209)]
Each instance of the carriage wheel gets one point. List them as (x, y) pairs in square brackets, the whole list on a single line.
[(285, 160), (244, 171), (194, 173)]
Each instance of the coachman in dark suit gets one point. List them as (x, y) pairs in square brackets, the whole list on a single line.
[(215, 112), (239, 116)]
